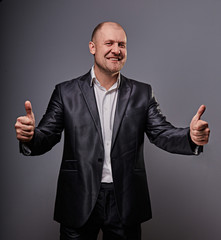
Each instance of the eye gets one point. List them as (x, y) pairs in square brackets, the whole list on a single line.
[(108, 43), (122, 45)]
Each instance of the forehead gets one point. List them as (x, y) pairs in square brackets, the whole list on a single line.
[(111, 32)]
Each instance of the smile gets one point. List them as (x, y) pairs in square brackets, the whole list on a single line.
[(114, 59)]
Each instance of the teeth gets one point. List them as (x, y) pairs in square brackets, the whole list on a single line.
[(114, 59)]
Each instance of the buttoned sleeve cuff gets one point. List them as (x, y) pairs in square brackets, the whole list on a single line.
[(196, 150), (25, 149)]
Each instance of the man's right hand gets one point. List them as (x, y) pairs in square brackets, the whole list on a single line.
[(25, 125)]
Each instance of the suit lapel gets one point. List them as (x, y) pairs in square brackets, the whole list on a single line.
[(123, 98), (122, 101), (89, 97)]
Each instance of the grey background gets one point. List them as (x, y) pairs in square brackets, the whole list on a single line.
[(173, 45)]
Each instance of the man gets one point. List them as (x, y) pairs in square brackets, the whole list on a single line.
[(102, 181)]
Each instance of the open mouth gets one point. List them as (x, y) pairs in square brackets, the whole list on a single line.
[(114, 59)]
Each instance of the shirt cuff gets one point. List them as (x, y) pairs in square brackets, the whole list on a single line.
[(196, 150), (25, 149)]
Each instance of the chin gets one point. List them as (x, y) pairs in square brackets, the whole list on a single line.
[(115, 69)]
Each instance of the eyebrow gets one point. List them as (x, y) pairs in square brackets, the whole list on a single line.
[(124, 42)]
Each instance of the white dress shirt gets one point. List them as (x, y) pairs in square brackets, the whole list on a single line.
[(106, 103)]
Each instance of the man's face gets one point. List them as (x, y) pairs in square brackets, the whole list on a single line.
[(109, 49)]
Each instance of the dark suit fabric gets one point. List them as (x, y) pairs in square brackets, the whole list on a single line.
[(73, 108)]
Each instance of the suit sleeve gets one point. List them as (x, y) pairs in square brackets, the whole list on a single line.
[(164, 135), (48, 133)]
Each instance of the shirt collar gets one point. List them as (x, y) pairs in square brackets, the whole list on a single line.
[(93, 78)]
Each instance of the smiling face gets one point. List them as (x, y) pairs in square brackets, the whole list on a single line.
[(109, 49)]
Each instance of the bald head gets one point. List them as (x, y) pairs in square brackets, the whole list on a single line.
[(109, 48), (99, 27)]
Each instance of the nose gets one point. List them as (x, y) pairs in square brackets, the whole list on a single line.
[(115, 49)]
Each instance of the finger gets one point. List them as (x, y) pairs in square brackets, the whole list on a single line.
[(26, 128), (28, 109), (200, 112), (200, 133), (200, 140), (24, 120), (23, 138), (26, 133), (200, 125), (200, 137), (21, 128)]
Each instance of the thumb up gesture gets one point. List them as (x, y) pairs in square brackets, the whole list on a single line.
[(25, 125), (199, 129)]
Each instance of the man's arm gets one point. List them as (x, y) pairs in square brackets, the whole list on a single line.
[(173, 139), (38, 140)]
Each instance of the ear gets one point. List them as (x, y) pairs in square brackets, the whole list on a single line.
[(92, 47)]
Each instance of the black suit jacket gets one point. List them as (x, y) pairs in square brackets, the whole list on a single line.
[(73, 108)]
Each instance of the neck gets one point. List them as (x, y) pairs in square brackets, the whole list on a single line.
[(106, 80)]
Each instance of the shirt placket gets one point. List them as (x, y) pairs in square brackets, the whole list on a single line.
[(106, 107)]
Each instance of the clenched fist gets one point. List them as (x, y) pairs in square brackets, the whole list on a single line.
[(25, 125), (199, 129)]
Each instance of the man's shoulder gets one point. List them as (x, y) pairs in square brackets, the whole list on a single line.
[(137, 83), (73, 81)]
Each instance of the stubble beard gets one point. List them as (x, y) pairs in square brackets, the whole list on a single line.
[(110, 70)]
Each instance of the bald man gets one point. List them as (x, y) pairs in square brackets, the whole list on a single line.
[(104, 115)]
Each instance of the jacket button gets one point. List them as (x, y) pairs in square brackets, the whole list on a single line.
[(100, 160)]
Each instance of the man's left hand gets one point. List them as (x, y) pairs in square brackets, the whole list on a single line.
[(199, 129)]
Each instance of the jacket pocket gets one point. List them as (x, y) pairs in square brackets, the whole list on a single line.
[(69, 165)]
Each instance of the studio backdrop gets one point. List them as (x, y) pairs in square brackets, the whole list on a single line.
[(174, 45)]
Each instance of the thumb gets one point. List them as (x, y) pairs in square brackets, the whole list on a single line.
[(28, 109), (200, 112)]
